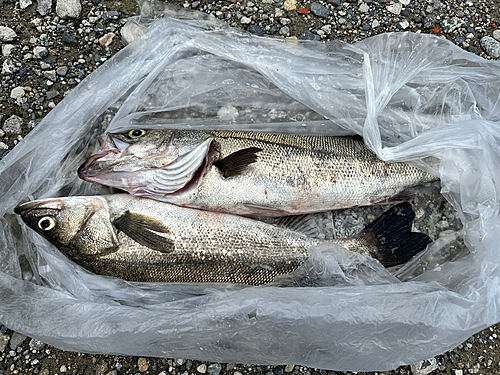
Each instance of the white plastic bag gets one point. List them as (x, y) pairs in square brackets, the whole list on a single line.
[(410, 95)]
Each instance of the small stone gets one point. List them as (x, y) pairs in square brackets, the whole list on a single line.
[(491, 46), (228, 113), (289, 368), (180, 361), (424, 367), (40, 52), (107, 39), (50, 74), (375, 23), (214, 369), (245, 20), (309, 35), (457, 372), (437, 4), (285, 31), (67, 38), (363, 8), (63, 368), (320, 10), (496, 34), (404, 24), (23, 4), (68, 8), (17, 92), (303, 11), (405, 2), (202, 368), (256, 30), (142, 364), (435, 30), (335, 3), (52, 94), (7, 34), (7, 49), (341, 20), (44, 7), (62, 71), (395, 8), (451, 24), (429, 21), (36, 344), (290, 5), (17, 338), (113, 14), (101, 368), (4, 338)]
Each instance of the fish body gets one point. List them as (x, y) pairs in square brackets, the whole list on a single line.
[(139, 239), (249, 173)]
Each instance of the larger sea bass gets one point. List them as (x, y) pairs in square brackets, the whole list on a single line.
[(249, 173), (140, 239)]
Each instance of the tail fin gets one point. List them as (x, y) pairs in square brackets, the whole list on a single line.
[(392, 230)]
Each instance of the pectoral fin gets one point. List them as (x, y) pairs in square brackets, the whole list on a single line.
[(238, 161), (180, 172), (146, 231)]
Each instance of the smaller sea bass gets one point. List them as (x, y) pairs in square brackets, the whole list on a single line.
[(139, 239), (249, 173)]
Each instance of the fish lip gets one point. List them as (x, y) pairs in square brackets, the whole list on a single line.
[(106, 147), (23, 208)]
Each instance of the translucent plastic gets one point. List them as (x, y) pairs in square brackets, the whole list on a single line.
[(411, 96)]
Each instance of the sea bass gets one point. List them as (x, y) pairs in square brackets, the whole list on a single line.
[(139, 239), (249, 173)]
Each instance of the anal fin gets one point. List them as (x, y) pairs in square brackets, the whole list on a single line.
[(403, 196)]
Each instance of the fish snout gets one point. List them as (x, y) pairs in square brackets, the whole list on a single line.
[(24, 208)]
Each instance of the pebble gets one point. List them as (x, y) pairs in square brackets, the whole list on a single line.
[(23, 4), (17, 92), (320, 10), (40, 52), (52, 94), (395, 8), (491, 46), (62, 71), (36, 344), (68, 38), (13, 126), (496, 34), (17, 338), (429, 21), (245, 20), (68, 8), (202, 369), (424, 367), (363, 8), (142, 364), (7, 34), (214, 369), (4, 338), (50, 74), (44, 7)]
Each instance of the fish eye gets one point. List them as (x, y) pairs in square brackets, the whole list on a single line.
[(137, 133), (46, 223)]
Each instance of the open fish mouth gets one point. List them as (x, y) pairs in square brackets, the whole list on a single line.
[(186, 171)]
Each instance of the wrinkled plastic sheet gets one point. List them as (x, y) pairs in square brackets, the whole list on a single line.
[(411, 97)]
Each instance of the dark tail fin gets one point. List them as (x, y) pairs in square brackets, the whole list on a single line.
[(392, 230)]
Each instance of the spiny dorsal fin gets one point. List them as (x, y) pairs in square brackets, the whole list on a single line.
[(301, 223), (146, 231), (238, 161), (393, 232)]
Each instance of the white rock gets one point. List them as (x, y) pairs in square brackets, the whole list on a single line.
[(202, 368), (17, 92), (496, 34), (3, 146), (245, 20), (228, 113), (8, 67), (7, 34), (40, 52), (44, 7), (6, 49), (363, 8), (405, 2), (375, 23), (68, 8), (13, 126), (23, 4), (424, 367), (395, 8)]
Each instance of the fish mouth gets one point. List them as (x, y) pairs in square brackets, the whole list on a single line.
[(53, 204), (107, 146), (181, 174)]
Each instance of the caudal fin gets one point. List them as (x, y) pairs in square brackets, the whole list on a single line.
[(392, 230)]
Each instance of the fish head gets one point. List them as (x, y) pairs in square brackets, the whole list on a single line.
[(78, 226), (149, 162)]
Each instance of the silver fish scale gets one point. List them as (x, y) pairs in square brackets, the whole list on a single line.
[(300, 174), (209, 247)]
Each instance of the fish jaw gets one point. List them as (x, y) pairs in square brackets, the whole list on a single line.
[(183, 173)]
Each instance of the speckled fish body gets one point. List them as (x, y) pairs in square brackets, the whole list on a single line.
[(291, 174), (139, 239), (276, 175)]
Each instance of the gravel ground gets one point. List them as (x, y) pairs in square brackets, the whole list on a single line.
[(47, 49)]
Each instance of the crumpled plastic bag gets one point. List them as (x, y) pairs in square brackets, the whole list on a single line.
[(413, 97)]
